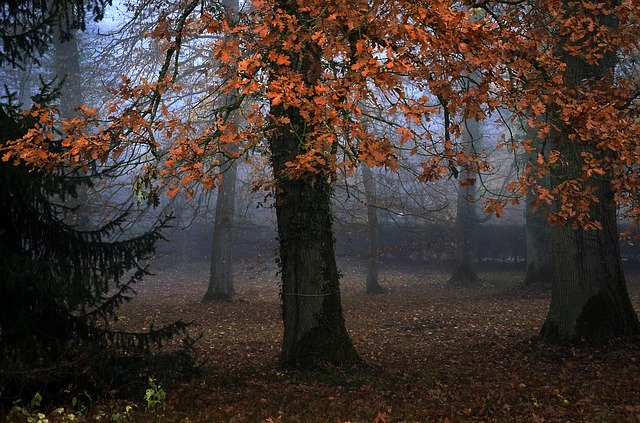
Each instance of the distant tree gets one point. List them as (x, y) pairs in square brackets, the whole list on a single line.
[(539, 258), (221, 273), (369, 182), (464, 270)]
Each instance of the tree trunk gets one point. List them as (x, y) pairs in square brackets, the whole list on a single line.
[(539, 260), (66, 60), (373, 285), (589, 299), (221, 270), (464, 271), (67, 70), (314, 330)]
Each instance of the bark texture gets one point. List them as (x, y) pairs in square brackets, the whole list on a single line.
[(589, 299), (373, 284), (314, 330), (464, 269)]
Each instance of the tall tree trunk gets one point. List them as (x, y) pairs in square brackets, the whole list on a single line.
[(314, 329), (589, 299), (221, 270), (373, 285), (539, 260), (67, 70), (464, 271), (66, 60)]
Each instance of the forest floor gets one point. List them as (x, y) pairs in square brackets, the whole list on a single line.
[(431, 353)]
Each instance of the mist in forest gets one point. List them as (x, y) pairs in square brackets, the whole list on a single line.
[(279, 210)]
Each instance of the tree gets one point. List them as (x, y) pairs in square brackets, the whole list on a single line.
[(56, 280), (66, 68), (59, 286), (305, 66), (589, 298), (464, 271), (373, 285), (221, 272)]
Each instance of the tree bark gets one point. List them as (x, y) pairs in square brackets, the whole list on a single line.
[(539, 259), (221, 270), (464, 271), (314, 330), (589, 300), (373, 285)]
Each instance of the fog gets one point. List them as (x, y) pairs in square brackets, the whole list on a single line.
[(311, 212)]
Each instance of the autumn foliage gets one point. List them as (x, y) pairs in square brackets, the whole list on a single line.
[(428, 66)]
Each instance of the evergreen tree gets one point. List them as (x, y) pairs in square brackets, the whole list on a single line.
[(59, 286)]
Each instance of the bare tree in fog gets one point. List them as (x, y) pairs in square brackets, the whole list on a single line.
[(539, 260), (464, 271), (66, 66), (373, 285), (221, 272)]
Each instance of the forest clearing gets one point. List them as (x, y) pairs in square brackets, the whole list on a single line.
[(319, 211), (431, 354)]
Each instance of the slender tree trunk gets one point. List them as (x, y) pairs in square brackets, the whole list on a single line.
[(539, 260), (66, 61), (589, 299), (221, 270), (373, 285), (464, 271), (67, 69)]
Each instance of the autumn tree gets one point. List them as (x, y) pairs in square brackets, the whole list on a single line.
[(589, 298), (303, 68), (566, 63)]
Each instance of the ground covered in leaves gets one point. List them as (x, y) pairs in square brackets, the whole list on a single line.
[(431, 353)]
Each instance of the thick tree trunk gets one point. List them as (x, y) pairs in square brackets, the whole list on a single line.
[(373, 285), (221, 270), (464, 270), (314, 330), (539, 260), (589, 299)]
